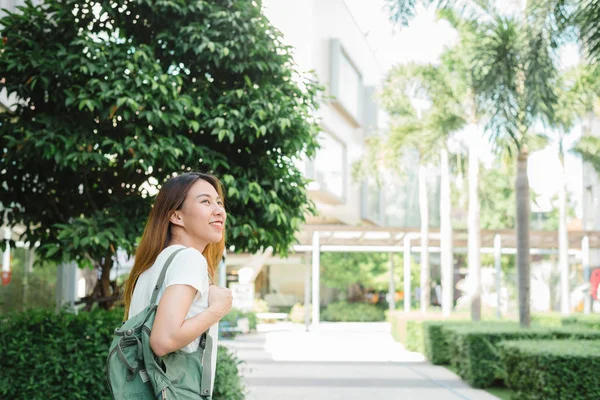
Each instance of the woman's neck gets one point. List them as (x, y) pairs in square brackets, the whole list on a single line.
[(187, 242)]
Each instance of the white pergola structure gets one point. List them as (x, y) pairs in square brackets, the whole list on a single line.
[(342, 238)]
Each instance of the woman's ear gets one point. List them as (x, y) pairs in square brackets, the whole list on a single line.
[(176, 219)]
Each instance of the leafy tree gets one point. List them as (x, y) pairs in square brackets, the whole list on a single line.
[(371, 270), (115, 97), (341, 270)]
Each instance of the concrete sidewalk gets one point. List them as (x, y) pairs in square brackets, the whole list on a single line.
[(341, 361)]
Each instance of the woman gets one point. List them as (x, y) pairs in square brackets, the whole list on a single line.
[(188, 218)]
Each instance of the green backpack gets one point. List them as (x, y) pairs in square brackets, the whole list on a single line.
[(133, 370)]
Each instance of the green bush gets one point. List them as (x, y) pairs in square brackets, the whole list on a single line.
[(228, 383), (552, 369), (407, 326), (436, 341), (437, 337), (37, 290), (548, 320), (589, 321), (63, 356), (474, 353), (352, 312), (414, 336), (235, 314)]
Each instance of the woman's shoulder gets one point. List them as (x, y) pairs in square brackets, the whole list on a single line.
[(185, 258), (191, 254), (182, 252), (188, 267)]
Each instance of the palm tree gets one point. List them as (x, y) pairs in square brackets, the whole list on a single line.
[(426, 129), (514, 63), (458, 61), (571, 106), (578, 96)]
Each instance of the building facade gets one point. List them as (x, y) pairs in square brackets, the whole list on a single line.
[(328, 41)]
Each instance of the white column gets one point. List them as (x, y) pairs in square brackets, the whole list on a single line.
[(66, 287), (446, 256), (392, 287), (6, 255), (498, 266), (585, 263), (223, 270), (307, 290), (407, 273), (316, 270)]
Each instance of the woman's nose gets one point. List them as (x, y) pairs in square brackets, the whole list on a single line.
[(219, 210)]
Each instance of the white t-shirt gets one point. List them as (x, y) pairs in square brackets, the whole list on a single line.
[(189, 267)]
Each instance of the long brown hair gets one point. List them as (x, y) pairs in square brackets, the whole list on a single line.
[(157, 233)]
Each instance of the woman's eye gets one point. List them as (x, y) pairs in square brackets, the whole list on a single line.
[(205, 201)]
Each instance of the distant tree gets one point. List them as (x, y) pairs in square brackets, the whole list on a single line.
[(516, 69), (115, 97), (371, 270)]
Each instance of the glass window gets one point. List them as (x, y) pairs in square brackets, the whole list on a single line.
[(372, 200), (329, 165), (349, 87)]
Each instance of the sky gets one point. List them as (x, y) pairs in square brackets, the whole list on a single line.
[(422, 42)]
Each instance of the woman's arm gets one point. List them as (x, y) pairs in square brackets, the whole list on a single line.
[(171, 331)]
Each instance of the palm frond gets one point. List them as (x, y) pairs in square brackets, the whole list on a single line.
[(540, 77), (576, 90), (586, 20), (546, 31), (588, 147), (401, 12), (497, 62), (553, 19)]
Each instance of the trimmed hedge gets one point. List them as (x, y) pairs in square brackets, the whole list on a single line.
[(437, 337), (407, 326), (552, 369), (475, 356), (63, 356), (415, 338), (437, 346), (589, 321), (352, 312), (551, 319)]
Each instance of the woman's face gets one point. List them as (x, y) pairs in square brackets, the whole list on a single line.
[(202, 214)]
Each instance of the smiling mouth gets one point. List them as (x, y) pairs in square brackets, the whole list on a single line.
[(217, 223)]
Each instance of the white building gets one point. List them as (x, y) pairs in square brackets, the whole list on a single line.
[(328, 41)]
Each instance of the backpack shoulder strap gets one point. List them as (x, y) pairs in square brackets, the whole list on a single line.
[(163, 273)]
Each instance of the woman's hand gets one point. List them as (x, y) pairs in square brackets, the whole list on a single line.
[(219, 299)]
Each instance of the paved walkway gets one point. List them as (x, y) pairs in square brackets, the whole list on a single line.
[(341, 361)]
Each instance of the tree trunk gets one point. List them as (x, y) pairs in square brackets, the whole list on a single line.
[(106, 292), (522, 222), (474, 234), (424, 211), (563, 239), (447, 262)]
